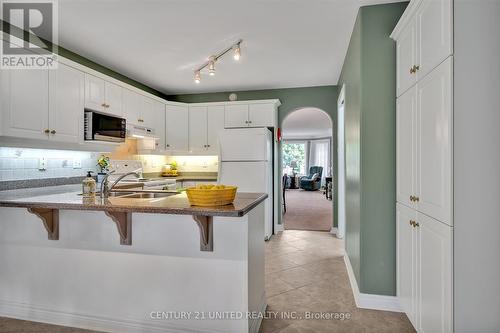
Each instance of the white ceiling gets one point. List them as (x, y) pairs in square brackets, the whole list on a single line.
[(287, 43), (307, 123)]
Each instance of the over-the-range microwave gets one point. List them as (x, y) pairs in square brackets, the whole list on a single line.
[(103, 127)]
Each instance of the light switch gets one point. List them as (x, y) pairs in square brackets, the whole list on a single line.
[(42, 163)]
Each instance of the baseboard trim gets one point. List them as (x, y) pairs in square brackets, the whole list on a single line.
[(114, 325), (370, 301), (255, 323), (278, 228), (334, 230)]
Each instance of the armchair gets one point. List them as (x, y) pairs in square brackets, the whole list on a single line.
[(312, 182)]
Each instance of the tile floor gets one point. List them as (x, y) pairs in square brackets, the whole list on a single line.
[(305, 272)]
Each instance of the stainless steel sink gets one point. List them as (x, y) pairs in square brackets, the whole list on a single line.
[(142, 194)]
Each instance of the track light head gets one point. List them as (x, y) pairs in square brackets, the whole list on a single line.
[(197, 77), (211, 66), (237, 52)]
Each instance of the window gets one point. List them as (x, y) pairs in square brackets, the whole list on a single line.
[(294, 157)]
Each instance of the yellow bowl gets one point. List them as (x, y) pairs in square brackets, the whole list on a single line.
[(211, 197)]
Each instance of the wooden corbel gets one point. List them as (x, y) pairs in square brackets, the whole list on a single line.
[(205, 223), (123, 222), (50, 219)]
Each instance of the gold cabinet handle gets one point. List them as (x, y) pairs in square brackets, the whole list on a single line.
[(416, 224), (168, 145), (416, 68), (53, 132), (412, 70), (103, 105), (47, 131), (412, 198), (140, 120), (417, 199), (411, 222)]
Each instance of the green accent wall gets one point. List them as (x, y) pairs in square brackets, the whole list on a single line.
[(323, 97), (15, 31), (369, 76)]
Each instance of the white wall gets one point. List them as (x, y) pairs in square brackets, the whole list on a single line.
[(477, 166)]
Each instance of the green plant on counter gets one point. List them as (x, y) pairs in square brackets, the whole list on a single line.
[(103, 163), (173, 165)]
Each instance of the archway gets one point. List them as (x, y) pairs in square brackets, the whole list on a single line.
[(307, 155)]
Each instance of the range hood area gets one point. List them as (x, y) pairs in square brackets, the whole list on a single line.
[(145, 136)]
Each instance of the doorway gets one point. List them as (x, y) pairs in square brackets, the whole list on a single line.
[(341, 163), (307, 170)]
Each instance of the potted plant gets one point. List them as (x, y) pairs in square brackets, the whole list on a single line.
[(103, 164)]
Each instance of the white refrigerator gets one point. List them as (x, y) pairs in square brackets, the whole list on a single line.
[(246, 160)]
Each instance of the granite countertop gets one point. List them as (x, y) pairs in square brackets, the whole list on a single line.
[(67, 197)]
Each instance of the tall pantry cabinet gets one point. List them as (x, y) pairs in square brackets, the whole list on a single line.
[(424, 147)]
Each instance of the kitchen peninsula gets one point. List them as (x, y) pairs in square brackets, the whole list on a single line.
[(74, 261)]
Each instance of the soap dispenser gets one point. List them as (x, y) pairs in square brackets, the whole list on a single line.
[(88, 185)]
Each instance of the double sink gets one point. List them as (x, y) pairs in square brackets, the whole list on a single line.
[(142, 194)]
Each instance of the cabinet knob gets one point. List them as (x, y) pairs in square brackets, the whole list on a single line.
[(140, 120), (47, 131), (417, 68), (208, 145), (412, 198), (168, 145), (411, 222), (417, 199), (53, 132), (249, 121), (103, 105), (416, 224)]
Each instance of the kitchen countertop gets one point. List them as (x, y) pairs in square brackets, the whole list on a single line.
[(67, 197)]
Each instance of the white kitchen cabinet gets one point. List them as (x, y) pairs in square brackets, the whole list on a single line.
[(435, 42), (113, 99), (261, 115), (103, 96), (177, 119), (197, 129), (66, 104), (215, 125), (132, 105), (406, 58), (153, 116), (236, 115), (434, 143), (406, 117), (434, 274), (25, 117), (424, 273), (406, 256)]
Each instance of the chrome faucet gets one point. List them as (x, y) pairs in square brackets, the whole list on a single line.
[(104, 185)]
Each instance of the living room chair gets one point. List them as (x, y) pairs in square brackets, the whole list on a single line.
[(312, 182)]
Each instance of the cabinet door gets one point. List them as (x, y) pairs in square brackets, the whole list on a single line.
[(405, 50), (132, 106), (261, 115), (66, 103), (94, 93), (236, 116), (177, 128), (406, 261), (435, 42), (435, 275), (114, 99), (197, 129), (215, 125), (434, 143), (406, 115), (153, 114), (26, 103)]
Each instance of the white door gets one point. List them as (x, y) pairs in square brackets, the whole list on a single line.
[(405, 50), (341, 163), (153, 116), (132, 107), (236, 116), (177, 119), (94, 93), (435, 275), (261, 115), (434, 143), (215, 125), (198, 129), (114, 99), (26, 117), (435, 42), (406, 115), (66, 103), (406, 262)]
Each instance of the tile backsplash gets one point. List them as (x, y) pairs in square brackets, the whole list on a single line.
[(24, 163)]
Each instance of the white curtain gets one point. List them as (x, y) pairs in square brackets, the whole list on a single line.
[(319, 155)]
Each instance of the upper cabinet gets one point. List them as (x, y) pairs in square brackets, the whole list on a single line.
[(132, 105), (422, 41), (103, 96), (153, 115), (205, 124), (177, 128), (251, 114)]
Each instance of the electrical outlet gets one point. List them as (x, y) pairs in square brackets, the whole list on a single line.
[(42, 163), (77, 163)]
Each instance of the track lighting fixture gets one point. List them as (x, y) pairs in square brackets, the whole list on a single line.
[(210, 64)]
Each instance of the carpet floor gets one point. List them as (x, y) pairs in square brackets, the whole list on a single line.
[(307, 210)]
